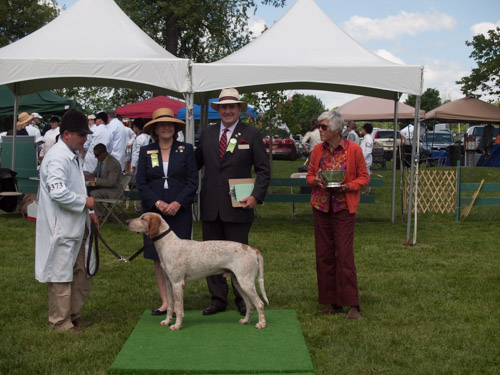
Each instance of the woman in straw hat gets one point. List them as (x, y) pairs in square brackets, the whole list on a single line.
[(167, 179), (22, 121)]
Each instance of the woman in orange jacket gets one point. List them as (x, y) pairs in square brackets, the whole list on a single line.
[(334, 211)]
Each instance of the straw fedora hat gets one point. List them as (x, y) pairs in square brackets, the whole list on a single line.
[(164, 115), (23, 119), (229, 96)]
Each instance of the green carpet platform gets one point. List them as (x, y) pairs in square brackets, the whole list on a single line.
[(215, 345)]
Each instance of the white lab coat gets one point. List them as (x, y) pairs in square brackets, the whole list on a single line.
[(61, 215)]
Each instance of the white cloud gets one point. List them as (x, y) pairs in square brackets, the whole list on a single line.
[(483, 27), (393, 27), (441, 75), (256, 26)]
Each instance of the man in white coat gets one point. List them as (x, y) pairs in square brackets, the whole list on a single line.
[(118, 136), (63, 219)]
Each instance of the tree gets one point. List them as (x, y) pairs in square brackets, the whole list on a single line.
[(19, 18), (430, 99), (202, 30), (96, 99), (486, 77), (298, 112)]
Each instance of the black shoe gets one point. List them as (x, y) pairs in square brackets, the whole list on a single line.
[(242, 310), (211, 310), (158, 312)]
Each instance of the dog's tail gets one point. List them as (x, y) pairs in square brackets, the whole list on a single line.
[(260, 260)]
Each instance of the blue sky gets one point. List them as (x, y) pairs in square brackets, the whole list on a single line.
[(427, 33)]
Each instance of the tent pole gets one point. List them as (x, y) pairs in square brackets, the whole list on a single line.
[(14, 129), (393, 194), (189, 98), (414, 161), (417, 158)]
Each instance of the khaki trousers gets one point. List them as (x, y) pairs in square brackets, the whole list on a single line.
[(67, 299)]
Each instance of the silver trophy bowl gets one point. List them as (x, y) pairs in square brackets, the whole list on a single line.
[(332, 178)]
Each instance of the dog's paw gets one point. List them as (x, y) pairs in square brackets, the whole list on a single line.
[(244, 321), (165, 322), (175, 327), (261, 325)]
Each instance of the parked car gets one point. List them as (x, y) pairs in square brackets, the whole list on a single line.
[(281, 147), (436, 141), (384, 138), (477, 131)]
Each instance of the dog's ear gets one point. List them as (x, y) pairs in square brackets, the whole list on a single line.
[(154, 225)]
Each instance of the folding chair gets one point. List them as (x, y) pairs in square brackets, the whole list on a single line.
[(9, 192), (112, 205)]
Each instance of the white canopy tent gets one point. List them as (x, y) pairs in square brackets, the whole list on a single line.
[(109, 51), (305, 49)]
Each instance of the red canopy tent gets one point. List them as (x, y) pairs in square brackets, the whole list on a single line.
[(145, 108)]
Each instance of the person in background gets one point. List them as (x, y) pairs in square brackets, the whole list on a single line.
[(23, 119), (118, 134), (486, 142), (63, 222), (334, 213), (312, 136), (229, 150), (141, 139), (100, 135), (367, 144), (352, 134), (50, 136), (167, 180)]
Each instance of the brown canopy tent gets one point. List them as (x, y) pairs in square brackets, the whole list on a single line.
[(368, 108), (470, 110)]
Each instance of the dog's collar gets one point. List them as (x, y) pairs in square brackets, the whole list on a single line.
[(161, 235)]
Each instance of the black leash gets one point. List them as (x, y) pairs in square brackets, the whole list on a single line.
[(95, 235)]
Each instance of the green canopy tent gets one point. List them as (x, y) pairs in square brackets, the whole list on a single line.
[(41, 102)]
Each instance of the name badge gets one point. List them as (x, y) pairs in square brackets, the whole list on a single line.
[(244, 147), (152, 152)]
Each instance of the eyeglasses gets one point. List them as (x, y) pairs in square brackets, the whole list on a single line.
[(324, 127)]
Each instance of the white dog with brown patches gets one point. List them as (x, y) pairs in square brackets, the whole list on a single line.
[(185, 260)]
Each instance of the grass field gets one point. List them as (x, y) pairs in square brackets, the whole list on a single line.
[(429, 309)]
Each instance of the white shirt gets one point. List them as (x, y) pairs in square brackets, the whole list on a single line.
[(34, 131), (353, 136), (101, 135), (313, 137), (367, 147), (139, 141), (49, 140), (118, 140), (230, 131)]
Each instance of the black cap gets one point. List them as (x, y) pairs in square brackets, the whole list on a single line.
[(75, 121), (55, 119)]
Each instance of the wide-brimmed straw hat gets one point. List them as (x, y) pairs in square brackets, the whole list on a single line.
[(229, 96), (24, 119), (163, 115)]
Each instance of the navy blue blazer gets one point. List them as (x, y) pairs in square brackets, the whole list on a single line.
[(182, 183)]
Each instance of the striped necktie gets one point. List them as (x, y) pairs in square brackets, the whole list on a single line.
[(223, 143)]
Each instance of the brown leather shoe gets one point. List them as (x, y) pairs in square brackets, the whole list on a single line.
[(76, 330), (82, 323), (353, 314), (331, 311)]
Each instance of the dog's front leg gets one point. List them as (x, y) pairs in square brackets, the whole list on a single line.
[(170, 303), (178, 292)]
